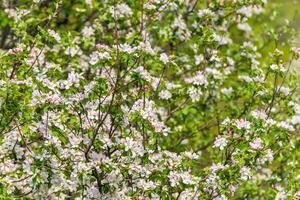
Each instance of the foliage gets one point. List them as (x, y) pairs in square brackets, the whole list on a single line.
[(148, 99)]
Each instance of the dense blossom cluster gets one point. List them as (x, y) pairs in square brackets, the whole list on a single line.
[(148, 99)]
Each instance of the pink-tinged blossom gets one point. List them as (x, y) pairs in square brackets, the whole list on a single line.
[(198, 79), (217, 167), (259, 114), (149, 112), (245, 173), (267, 157), (256, 144), (242, 124), (185, 177), (296, 50)]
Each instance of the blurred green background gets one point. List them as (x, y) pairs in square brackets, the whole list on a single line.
[(290, 9)]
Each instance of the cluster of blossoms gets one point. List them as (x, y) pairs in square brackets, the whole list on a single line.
[(149, 99)]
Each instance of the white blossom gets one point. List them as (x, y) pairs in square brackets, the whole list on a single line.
[(165, 94), (88, 31), (55, 35), (220, 142), (164, 58), (120, 10)]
